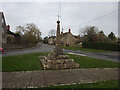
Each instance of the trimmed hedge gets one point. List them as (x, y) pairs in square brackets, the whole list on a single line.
[(102, 45)]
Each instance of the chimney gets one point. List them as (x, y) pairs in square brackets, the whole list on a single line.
[(61, 32), (8, 27), (69, 31)]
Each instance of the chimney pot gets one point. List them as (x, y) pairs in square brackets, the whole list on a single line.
[(61, 32), (69, 30), (8, 27)]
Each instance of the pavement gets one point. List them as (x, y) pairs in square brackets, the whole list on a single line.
[(45, 78), (110, 56)]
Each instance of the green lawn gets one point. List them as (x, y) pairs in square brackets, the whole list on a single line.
[(88, 62), (29, 62), (103, 84), (23, 62), (83, 49)]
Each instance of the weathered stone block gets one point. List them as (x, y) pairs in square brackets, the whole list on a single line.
[(61, 62)]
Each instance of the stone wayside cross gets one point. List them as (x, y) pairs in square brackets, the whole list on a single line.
[(57, 60), (58, 49)]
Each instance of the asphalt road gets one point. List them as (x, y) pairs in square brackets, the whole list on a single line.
[(42, 48), (110, 56)]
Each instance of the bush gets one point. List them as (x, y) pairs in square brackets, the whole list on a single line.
[(102, 45)]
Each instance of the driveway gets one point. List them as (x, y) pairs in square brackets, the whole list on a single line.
[(110, 56)]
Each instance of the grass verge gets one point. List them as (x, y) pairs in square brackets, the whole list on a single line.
[(88, 62), (83, 49), (25, 62), (29, 62)]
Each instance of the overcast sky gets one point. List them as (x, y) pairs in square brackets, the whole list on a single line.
[(104, 15)]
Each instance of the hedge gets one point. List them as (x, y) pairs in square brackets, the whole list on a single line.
[(102, 45)]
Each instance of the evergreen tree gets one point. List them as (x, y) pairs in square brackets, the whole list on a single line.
[(111, 36)]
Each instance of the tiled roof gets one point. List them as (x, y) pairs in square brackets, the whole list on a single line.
[(52, 37)]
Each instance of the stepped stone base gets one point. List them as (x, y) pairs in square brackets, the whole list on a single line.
[(60, 62)]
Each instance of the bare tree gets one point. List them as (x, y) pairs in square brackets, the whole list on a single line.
[(30, 33), (89, 33), (52, 32)]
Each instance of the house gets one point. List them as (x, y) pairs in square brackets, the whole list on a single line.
[(52, 40), (67, 39), (78, 39), (3, 29), (11, 36), (6, 36)]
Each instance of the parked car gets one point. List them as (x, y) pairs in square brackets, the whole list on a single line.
[(1, 50)]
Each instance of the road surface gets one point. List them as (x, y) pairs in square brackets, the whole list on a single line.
[(111, 56), (42, 48)]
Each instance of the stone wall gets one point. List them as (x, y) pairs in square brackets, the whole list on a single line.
[(15, 46)]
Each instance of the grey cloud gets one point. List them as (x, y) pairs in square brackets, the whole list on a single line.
[(44, 15)]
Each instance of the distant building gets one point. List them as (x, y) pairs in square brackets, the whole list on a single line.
[(11, 36), (52, 40), (6, 35), (78, 39), (67, 39)]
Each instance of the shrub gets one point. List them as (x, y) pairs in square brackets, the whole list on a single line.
[(102, 45)]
